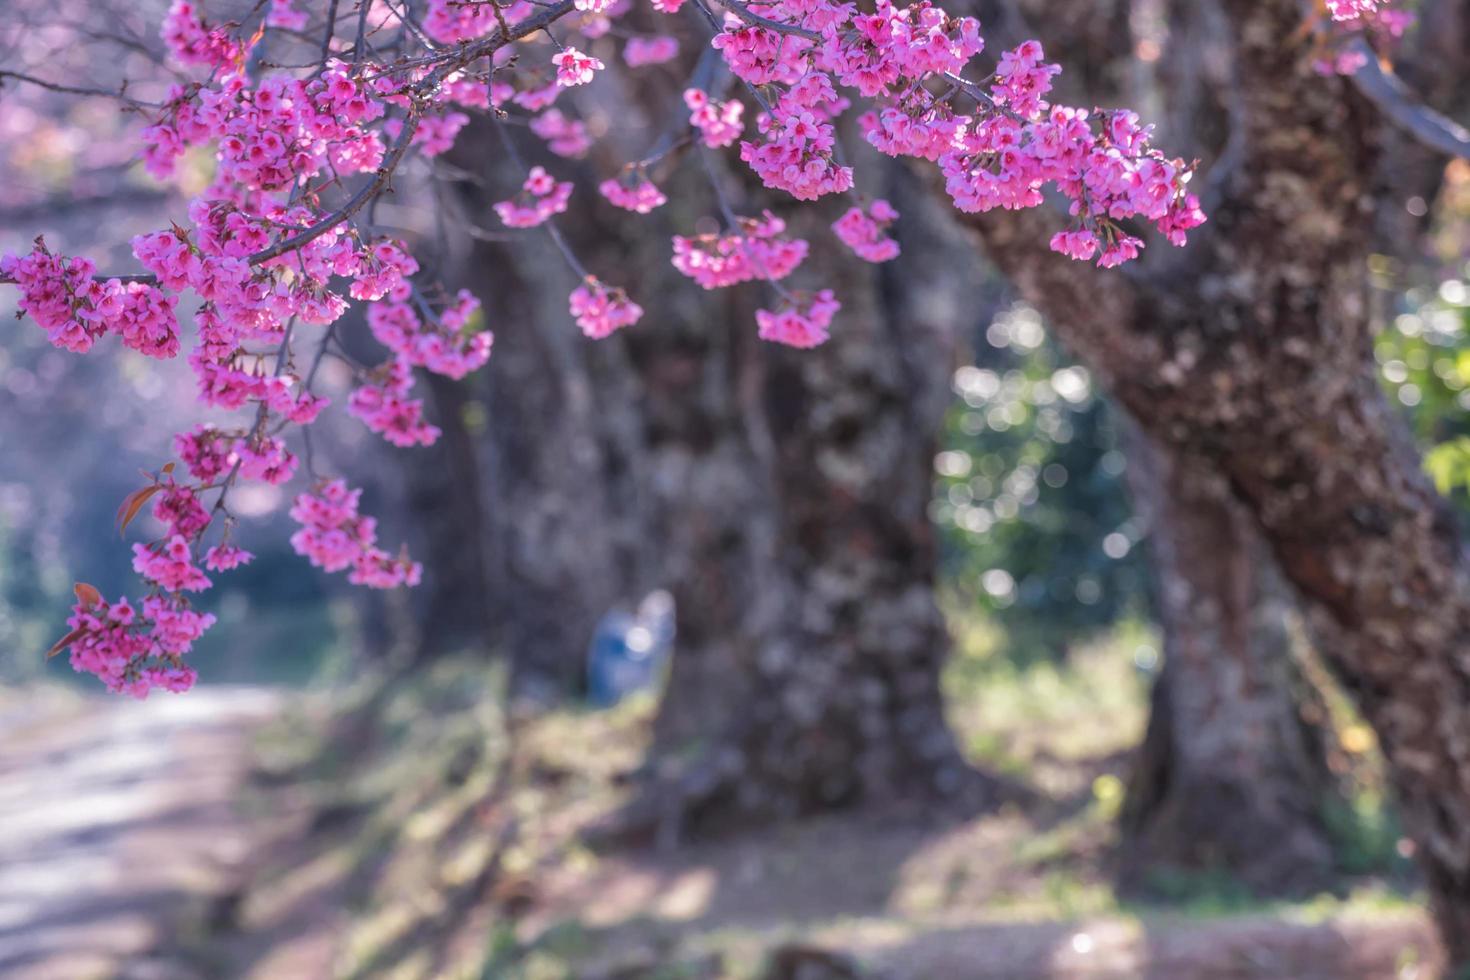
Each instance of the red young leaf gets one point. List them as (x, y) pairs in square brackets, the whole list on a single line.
[(87, 595), (131, 505), (64, 642)]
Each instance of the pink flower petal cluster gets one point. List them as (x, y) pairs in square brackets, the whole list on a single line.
[(193, 42), (283, 14), (62, 294), (866, 232), (207, 452), (1001, 161), (133, 653), (564, 137), (799, 321), (177, 507), (891, 46), (265, 458), (1080, 244), (757, 251), (600, 310), (656, 50), (170, 566), (446, 344), (798, 154), (1001, 154), (1354, 17), (436, 134), (575, 68), (1022, 79), (759, 55), (541, 197), (381, 270), (1352, 9), (719, 123), (451, 21), (226, 557), (633, 191), (274, 133), (538, 98), (385, 408), (334, 536)]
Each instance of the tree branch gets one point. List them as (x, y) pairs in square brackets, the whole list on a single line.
[(1388, 92)]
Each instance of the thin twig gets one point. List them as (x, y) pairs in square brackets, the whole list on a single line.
[(75, 90)]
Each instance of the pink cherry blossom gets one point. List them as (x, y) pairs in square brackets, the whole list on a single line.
[(574, 68), (601, 310), (758, 250), (541, 197), (801, 322), (633, 191), (564, 137), (640, 51), (865, 232)]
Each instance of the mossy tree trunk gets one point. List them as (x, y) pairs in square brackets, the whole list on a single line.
[(1232, 776)]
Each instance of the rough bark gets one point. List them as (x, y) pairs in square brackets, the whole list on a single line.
[(803, 560), (1252, 349), (1232, 775)]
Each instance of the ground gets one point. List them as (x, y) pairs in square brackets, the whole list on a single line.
[(421, 829), (120, 823)]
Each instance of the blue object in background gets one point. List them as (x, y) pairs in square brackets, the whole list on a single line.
[(629, 650)]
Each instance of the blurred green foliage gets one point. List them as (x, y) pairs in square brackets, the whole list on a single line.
[(1030, 490), (1424, 361), (1036, 524)]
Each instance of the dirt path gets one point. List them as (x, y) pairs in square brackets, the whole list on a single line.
[(116, 817)]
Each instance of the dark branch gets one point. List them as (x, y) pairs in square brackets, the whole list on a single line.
[(1388, 92)]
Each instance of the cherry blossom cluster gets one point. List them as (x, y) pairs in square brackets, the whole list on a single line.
[(1352, 9), (565, 137), (719, 123), (193, 42), (600, 310), (640, 51), (451, 21), (133, 651), (334, 536), (633, 191), (757, 251), (446, 343), (282, 240), (1377, 19), (801, 321), (541, 196), (575, 68), (384, 406), (63, 295), (865, 231)]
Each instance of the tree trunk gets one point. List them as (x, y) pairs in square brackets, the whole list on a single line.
[(802, 557), (443, 492), (1232, 775), (1252, 348)]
